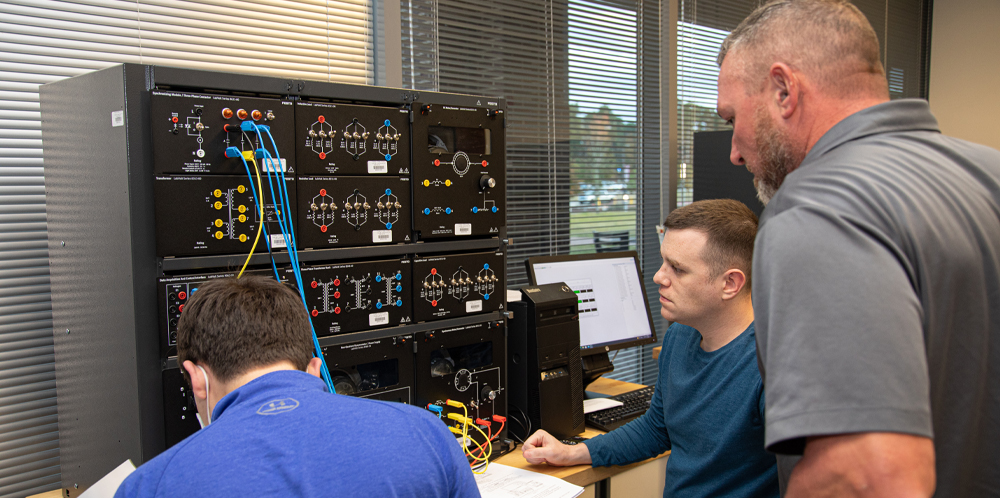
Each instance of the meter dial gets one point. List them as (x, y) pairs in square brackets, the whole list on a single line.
[(463, 379)]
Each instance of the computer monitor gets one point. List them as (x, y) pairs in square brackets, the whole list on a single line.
[(614, 310)]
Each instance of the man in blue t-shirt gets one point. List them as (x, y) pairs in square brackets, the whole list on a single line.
[(708, 408), (270, 428)]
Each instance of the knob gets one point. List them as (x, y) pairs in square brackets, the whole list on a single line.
[(380, 205), (314, 207), (312, 133), (397, 205), (322, 206), (333, 207), (486, 182), (357, 206), (378, 136), (198, 126), (356, 135), (364, 135), (347, 206), (270, 116), (367, 206), (322, 133)]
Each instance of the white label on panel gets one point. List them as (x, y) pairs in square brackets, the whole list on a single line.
[(117, 118), (277, 241), (473, 306), (375, 319), (463, 228), (375, 167), (272, 165), (381, 236)]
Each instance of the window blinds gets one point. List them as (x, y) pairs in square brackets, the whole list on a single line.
[(901, 26), (43, 41), (581, 79)]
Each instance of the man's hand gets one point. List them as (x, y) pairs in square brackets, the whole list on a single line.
[(881, 464), (542, 447)]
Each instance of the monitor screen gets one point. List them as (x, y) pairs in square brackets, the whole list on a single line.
[(614, 311)]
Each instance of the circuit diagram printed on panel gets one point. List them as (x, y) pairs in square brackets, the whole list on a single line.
[(353, 140), (358, 296), (202, 130), (355, 210), (460, 285)]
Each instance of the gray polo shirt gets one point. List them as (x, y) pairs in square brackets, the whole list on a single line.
[(876, 285)]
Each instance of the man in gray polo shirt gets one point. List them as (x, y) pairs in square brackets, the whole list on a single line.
[(876, 267)]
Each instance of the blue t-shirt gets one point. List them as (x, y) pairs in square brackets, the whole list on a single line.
[(708, 411), (283, 435)]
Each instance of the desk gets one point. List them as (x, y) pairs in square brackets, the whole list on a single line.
[(641, 479)]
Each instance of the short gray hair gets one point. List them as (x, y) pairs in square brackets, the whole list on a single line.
[(825, 38)]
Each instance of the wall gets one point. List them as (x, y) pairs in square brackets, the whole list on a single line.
[(965, 69)]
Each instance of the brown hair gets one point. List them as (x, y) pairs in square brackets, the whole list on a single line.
[(828, 39), (234, 326), (731, 228)]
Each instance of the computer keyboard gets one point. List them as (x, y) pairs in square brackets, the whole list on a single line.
[(634, 404)]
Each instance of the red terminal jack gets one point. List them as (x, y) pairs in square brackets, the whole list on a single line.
[(182, 295), (322, 228), (174, 119), (315, 313), (337, 310), (314, 284), (231, 128), (336, 282), (180, 309)]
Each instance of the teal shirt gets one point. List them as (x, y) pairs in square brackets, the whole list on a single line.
[(708, 410)]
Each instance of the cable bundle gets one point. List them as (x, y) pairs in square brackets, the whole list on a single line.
[(283, 213)]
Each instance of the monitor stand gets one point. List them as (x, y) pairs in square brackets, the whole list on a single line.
[(593, 367)]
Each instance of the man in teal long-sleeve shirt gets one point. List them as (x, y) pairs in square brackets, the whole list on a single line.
[(708, 409)]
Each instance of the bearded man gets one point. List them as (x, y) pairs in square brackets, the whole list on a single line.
[(876, 266)]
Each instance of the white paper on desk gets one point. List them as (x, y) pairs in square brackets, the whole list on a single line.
[(598, 404), (106, 487), (504, 481)]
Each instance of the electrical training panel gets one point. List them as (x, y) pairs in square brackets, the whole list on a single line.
[(383, 208)]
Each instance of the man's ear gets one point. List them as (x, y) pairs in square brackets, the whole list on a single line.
[(314, 366), (784, 88), (197, 379), (733, 282)]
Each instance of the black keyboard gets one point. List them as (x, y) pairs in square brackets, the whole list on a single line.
[(634, 404)]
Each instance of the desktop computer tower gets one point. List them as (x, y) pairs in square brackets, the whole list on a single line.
[(544, 374)]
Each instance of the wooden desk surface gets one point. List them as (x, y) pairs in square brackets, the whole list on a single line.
[(581, 475)]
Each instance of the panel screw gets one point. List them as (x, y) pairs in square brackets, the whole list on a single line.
[(62, 243), (67, 331)]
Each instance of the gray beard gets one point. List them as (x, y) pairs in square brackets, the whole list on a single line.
[(775, 157)]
